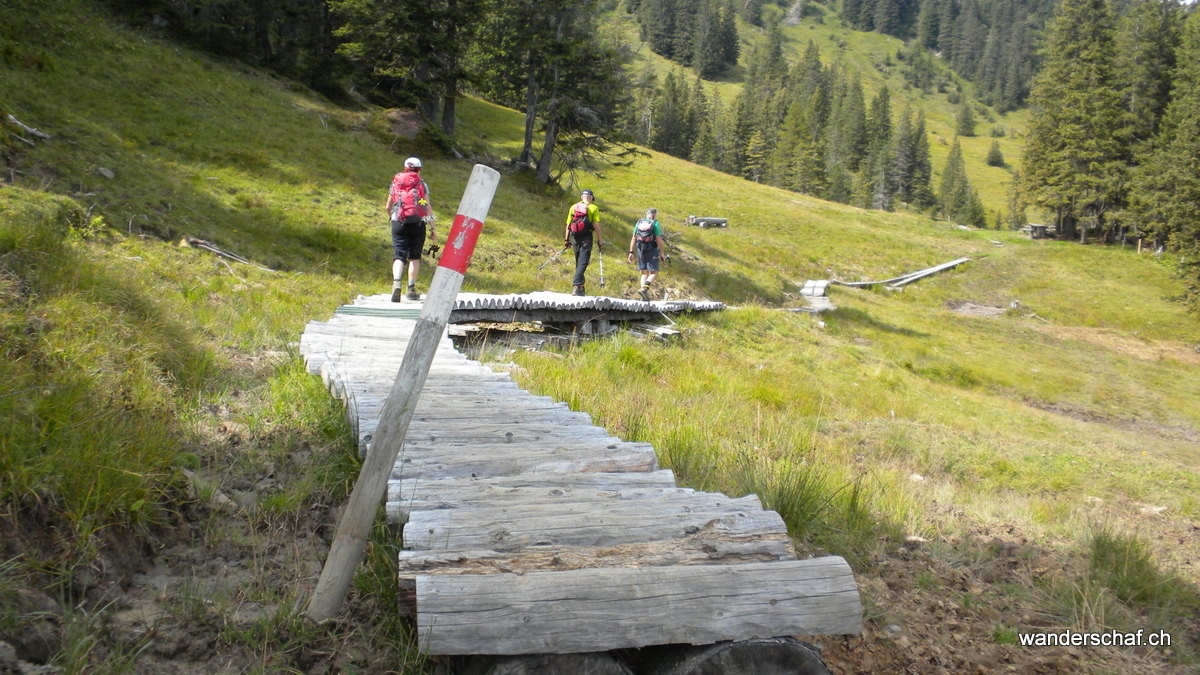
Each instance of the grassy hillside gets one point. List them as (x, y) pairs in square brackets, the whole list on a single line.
[(1028, 468), (873, 56)]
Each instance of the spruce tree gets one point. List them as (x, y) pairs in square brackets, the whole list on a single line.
[(727, 36), (1076, 149), (1147, 40), (994, 156), (964, 121), (673, 129), (954, 194), (920, 181), (1166, 191)]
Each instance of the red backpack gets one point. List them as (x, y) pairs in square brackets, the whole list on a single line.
[(408, 195), (579, 219)]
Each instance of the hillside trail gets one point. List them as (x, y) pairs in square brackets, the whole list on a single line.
[(221, 589)]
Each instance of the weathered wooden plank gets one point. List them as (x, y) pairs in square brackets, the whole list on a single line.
[(537, 503), (430, 488), (470, 410), (474, 495), (622, 458), (436, 433), (710, 546), (528, 431), (600, 609), (449, 529)]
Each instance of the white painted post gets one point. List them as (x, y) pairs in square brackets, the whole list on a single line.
[(351, 538)]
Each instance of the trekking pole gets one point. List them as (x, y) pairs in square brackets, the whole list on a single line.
[(601, 267), (554, 257)]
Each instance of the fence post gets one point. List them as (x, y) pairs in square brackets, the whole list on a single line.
[(355, 525)]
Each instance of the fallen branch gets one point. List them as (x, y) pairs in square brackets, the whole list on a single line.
[(28, 129), (231, 272), (200, 243)]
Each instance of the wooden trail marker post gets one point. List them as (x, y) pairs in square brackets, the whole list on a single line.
[(351, 538)]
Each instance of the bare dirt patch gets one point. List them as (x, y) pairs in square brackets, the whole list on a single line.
[(956, 606), (973, 309), (1126, 344), (404, 123), (1170, 432)]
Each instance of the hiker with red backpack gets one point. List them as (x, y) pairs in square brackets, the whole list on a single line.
[(583, 218), (409, 209), (647, 245)]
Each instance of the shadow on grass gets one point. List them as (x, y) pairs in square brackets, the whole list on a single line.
[(857, 317)]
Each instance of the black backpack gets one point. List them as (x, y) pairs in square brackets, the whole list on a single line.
[(643, 233)]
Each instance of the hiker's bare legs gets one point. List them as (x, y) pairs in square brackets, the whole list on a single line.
[(414, 266)]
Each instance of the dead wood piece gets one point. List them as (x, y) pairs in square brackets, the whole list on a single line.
[(27, 129), (201, 244)]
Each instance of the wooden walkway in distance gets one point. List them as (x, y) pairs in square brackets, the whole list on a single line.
[(529, 530)]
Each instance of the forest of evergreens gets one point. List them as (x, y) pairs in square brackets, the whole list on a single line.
[(1111, 86)]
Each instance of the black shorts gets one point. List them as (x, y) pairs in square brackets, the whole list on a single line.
[(408, 238)]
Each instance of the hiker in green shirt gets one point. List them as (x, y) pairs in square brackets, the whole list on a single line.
[(647, 246)]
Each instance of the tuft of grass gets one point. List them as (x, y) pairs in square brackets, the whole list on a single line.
[(1120, 586), (1124, 564)]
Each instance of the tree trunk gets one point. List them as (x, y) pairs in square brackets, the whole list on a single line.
[(547, 158), (449, 106), (531, 91)]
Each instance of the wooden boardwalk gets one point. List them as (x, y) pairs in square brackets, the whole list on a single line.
[(529, 530)]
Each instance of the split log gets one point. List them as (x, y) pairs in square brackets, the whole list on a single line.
[(448, 530), (600, 609)]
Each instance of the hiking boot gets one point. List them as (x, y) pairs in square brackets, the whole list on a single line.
[(397, 294), (644, 294), (578, 291), (412, 293)]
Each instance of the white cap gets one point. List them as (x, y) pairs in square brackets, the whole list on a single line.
[(412, 163)]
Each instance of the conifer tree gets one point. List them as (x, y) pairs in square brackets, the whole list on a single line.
[(879, 125), (845, 133), (754, 166), (927, 24), (1017, 217), (1147, 40), (796, 161), (1166, 193), (705, 149), (1075, 155), (707, 56), (920, 182), (994, 156), (727, 36), (954, 194), (674, 130), (964, 121)]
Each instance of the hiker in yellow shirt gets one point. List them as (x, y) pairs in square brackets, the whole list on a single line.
[(583, 218)]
